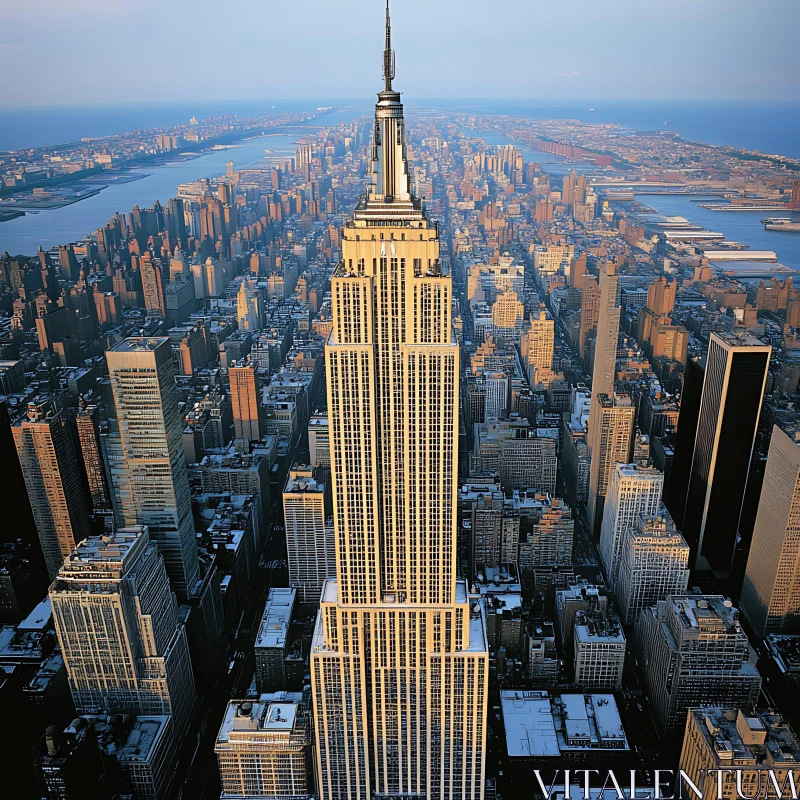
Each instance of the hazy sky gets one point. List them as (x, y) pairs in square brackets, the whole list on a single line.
[(103, 51)]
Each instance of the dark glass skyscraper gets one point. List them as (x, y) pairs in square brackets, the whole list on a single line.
[(727, 418)]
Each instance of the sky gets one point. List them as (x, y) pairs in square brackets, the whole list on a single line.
[(55, 52)]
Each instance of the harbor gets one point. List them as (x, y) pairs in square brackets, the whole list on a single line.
[(747, 247)]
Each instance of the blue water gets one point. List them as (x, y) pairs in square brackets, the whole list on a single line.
[(24, 235), (741, 226), (37, 127), (769, 127)]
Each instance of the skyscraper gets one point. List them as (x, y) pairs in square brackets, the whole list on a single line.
[(653, 565), (693, 652), (613, 419), (603, 376), (399, 659), (675, 493), (248, 417), (23, 571), (149, 479), (153, 285), (538, 348), (248, 309), (771, 592), (590, 309), (730, 404), (52, 477), (87, 424), (117, 624), (633, 491), (309, 541)]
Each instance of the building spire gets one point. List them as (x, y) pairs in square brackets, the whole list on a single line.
[(388, 53)]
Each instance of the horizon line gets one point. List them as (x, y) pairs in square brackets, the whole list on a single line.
[(416, 99)]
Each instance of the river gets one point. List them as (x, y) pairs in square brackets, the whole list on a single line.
[(740, 226), (24, 235)]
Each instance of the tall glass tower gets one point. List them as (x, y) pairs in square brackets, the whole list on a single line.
[(399, 658)]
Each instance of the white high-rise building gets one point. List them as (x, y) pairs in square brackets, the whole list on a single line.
[(537, 348), (771, 592), (613, 418), (653, 565), (497, 393), (319, 442), (399, 658), (309, 541), (633, 491), (116, 618), (248, 309), (149, 478), (599, 651)]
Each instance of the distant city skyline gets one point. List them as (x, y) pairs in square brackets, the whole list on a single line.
[(622, 50)]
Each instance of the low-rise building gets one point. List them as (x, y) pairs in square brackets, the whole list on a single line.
[(747, 741), (599, 651), (263, 747)]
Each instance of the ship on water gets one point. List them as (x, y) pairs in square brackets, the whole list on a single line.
[(785, 224)]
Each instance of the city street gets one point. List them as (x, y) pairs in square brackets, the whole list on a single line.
[(199, 778)]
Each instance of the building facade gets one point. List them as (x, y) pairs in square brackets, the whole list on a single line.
[(50, 468), (613, 426), (603, 379), (771, 591), (263, 748), (730, 405), (149, 480), (653, 565), (399, 659), (599, 651), (116, 618), (693, 652), (309, 536), (538, 346), (248, 415), (633, 491), (746, 740)]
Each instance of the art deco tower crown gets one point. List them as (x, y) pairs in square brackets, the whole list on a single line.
[(389, 183)]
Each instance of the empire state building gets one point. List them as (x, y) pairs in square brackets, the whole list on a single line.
[(399, 658)]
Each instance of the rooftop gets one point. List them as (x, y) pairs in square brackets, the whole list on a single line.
[(138, 344), (108, 549), (143, 738), (540, 724), (276, 619), (39, 619), (272, 713), (761, 737), (301, 479), (704, 614), (598, 627)]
